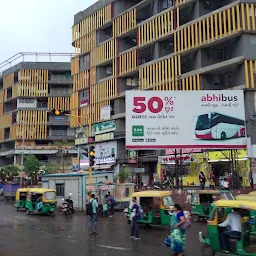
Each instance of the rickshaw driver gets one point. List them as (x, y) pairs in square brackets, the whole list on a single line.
[(39, 204), (234, 222)]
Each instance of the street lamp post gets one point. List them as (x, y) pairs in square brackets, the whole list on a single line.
[(88, 135), (22, 153)]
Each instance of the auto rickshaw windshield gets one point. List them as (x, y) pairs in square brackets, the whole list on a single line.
[(227, 196), (167, 201), (50, 195)]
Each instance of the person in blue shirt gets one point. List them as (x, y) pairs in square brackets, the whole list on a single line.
[(94, 217), (112, 202), (136, 216)]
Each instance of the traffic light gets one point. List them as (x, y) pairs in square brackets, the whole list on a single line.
[(92, 155), (58, 112)]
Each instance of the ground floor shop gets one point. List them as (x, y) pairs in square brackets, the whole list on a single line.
[(220, 162)]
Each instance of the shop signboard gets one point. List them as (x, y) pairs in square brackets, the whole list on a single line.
[(132, 156), (171, 159), (241, 154), (109, 126), (105, 112), (81, 141), (43, 147), (79, 130), (106, 136), (75, 164), (105, 153), (185, 119)]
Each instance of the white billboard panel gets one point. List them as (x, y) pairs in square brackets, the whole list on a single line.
[(185, 119)]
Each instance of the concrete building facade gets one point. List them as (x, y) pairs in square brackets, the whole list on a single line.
[(157, 45), (28, 91)]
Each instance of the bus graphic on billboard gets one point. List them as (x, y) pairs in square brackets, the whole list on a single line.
[(216, 126)]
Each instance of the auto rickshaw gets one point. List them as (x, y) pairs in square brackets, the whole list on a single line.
[(156, 206), (21, 195), (253, 193), (249, 198), (202, 200), (238, 244), (45, 198)]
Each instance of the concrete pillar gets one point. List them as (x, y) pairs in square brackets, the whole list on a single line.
[(155, 7), (196, 10), (156, 51)]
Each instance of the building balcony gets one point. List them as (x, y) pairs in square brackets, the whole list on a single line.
[(60, 137), (60, 92), (42, 105), (58, 120), (60, 79)]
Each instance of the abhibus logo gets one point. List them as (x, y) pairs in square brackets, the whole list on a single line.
[(219, 97)]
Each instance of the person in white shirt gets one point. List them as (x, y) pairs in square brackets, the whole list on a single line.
[(225, 184), (189, 198), (234, 222)]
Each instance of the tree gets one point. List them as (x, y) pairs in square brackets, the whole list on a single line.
[(31, 165), (9, 172), (61, 147), (51, 168), (123, 175)]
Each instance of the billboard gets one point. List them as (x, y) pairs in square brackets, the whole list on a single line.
[(105, 153), (185, 119)]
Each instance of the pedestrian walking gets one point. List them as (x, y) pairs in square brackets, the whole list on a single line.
[(92, 213), (202, 180), (251, 179), (136, 213), (177, 233), (111, 202), (212, 179), (225, 184)]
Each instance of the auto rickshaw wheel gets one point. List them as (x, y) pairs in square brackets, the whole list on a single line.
[(195, 217), (52, 213), (18, 209), (207, 250)]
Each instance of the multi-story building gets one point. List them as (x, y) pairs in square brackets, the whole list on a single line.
[(156, 45), (28, 91)]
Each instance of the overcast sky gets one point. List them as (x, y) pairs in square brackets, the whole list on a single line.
[(37, 25)]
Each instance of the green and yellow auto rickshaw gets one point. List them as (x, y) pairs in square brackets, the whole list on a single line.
[(202, 200), (156, 206), (241, 244), (249, 198), (41, 201), (21, 195)]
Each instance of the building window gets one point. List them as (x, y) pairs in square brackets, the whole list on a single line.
[(60, 190), (167, 4), (26, 101)]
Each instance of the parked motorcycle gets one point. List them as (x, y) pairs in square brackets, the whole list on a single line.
[(162, 185), (68, 205)]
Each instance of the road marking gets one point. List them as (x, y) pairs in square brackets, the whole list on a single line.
[(115, 248)]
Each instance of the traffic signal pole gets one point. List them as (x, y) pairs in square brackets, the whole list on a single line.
[(87, 135)]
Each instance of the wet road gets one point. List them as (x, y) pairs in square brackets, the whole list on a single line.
[(22, 235)]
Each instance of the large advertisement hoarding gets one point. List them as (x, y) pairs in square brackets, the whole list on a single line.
[(185, 119)]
